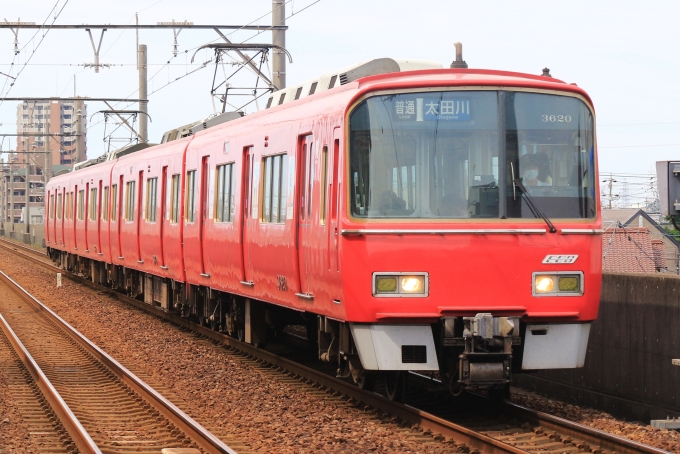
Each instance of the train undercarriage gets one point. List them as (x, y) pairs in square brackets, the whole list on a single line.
[(464, 352)]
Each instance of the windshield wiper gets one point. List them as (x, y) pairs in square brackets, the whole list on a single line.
[(530, 201)]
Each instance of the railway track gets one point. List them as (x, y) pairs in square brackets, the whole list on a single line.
[(489, 428), (98, 403)]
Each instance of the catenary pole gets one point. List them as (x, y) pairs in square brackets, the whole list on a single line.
[(278, 39), (143, 106)]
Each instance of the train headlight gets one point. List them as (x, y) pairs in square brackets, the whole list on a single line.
[(413, 284), (400, 284), (544, 284), (559, 283)]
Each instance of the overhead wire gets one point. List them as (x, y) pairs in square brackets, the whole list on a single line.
[(42, 27)]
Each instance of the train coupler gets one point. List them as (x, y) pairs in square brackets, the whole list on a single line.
[(483, 346)]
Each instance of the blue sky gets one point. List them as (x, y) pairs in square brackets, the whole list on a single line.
[(621, 52)]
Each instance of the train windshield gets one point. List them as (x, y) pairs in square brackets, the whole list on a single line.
[(438, 154)]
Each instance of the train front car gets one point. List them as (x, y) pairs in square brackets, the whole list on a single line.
[(471, 243)]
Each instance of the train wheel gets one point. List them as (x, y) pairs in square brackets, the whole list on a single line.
[(394, 385), (366, 381)]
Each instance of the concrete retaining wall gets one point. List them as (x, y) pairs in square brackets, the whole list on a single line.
[(16, 231), (628, 370)]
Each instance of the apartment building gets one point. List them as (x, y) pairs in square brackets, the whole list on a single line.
[(51, 117)]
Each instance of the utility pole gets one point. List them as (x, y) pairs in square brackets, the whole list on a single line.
[(11, 190), (143, 106), (278, 39), (27, 220), (48, 154), (610, 182), (80, 141)]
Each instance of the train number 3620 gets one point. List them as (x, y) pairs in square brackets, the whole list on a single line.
[(556, 118)]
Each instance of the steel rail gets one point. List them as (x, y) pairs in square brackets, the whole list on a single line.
[(588, 434), (75, 430), (188, 425), (405, 412)]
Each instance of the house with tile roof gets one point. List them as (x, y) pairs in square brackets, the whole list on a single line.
[(655, 246)]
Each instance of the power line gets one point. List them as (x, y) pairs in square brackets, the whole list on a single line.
[(56, 16), (641, 146)]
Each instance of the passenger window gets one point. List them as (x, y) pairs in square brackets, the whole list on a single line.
[(324, 185), (283, 96), (275, 188), (105, 204), (81, 205), (93, 204), (298, 93), (224, 188), (59, 206), (174, 199), (51, 206), (151, 189), (114, 201), (190, 203), (130, 201)]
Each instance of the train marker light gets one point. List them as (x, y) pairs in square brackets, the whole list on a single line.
[(386, 284)]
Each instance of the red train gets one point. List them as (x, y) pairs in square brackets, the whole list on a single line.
[(428, 219)]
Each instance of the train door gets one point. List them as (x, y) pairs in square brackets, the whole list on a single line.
[(85, 213), (75, 201), (119, 209), (334, 201), (203, 217), (161, 221), (98, 218), (63, 215), (138, 215), (304, 221), (246, 204)]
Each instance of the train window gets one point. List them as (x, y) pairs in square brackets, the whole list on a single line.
[(310, 180), (114, 201), (269, 102), (281, 98), (130, 201), (81, 205), (298, 93), (174, 199), (324, 170), (312, 89), (51, 206), (275, 188), (224, 188), (331, 84), (151, 196), (550, 148), (425, 155), (93, 204), (190, 202), (59, 205), (105, 204)]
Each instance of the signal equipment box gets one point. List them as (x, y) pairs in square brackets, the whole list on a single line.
[(668, 180)]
